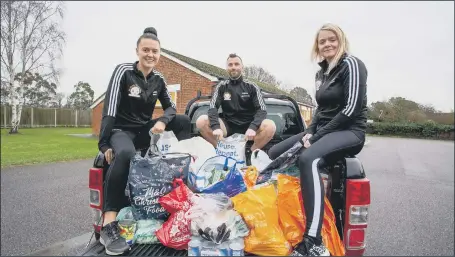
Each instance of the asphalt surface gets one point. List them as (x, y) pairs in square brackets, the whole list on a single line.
[(42, 205), (45, 208)]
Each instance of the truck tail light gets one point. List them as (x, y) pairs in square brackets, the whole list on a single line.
[(356, 238), (96, 215), (356, 219), (95, 185)]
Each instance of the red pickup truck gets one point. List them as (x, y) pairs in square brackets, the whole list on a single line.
[(348, 188)]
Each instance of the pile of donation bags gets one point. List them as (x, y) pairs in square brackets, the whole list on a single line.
[(188, 195)]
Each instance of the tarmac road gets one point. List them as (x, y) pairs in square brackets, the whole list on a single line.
[(412, 210)]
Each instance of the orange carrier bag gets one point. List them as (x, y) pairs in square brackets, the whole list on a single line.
[(292, 216), (258, 207), (250, 176)]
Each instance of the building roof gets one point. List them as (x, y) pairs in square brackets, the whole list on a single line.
[(220, 73), (209, 71)]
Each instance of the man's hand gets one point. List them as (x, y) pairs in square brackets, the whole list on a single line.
[(218, 133), (250, 134), (108, 155), (158, 128)]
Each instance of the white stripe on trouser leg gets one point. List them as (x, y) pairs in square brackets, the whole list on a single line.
[(317, 199)]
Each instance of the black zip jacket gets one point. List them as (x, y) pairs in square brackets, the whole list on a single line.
[(242, 104), (130, 101), (341, 96)]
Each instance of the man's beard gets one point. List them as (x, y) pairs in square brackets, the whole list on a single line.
[(235, 75)]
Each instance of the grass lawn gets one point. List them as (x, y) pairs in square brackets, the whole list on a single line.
[(46, 145)]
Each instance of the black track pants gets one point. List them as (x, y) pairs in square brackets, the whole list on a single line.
[(331, 146), (124, 144)]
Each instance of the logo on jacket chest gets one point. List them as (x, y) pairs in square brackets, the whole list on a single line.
[(227, 96), (134, 91), (245, 95)]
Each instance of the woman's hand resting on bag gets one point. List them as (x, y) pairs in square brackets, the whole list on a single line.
[(305, 138), (158, 128)]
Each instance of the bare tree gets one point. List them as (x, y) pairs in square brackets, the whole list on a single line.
[(260, 74), (31, 41)]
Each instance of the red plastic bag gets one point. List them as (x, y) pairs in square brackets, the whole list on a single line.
[(176, 231)]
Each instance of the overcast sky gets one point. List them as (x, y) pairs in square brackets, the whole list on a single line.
[(408, 47)]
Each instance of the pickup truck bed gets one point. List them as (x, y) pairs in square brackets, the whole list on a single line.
[(97, 249)]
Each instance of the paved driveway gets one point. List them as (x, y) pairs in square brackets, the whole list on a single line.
[(412, 210)]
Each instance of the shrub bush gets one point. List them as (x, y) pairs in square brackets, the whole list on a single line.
[(428, 129)]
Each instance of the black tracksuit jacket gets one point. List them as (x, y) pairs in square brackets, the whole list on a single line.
[(341, 96), (241, 102), (130, 101)]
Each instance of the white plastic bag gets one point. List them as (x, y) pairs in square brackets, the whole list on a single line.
[(167, 142), (213, 218), (198, 147), (260, 160), (233, 146)]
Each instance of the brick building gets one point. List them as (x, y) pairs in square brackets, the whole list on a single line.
[(185, 76)]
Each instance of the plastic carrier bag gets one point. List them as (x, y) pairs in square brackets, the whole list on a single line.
[(168, 142), (286, 163), (176, 232), (258, 207), (292, 216), (260, 159), (218, 174), (213, 218), (151, 177), (232, 146)]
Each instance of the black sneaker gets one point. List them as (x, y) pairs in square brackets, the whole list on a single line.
[(309, 248), (111, 239)]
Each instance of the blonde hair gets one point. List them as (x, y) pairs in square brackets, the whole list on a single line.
[(343, 45)]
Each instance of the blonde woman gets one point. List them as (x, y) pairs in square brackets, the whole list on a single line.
[(337, 128)]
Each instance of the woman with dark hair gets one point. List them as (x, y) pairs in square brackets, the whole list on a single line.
[(129, 104), (337, 128)]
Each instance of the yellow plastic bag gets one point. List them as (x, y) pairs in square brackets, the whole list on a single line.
[(258, 207), (292, 216)]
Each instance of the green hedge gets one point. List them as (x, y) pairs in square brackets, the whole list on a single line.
[(417, 130)]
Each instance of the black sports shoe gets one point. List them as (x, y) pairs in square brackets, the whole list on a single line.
[(308, 247), (111, 239)]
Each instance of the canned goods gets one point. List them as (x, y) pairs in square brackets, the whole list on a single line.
[(127, 230), (194, 247)]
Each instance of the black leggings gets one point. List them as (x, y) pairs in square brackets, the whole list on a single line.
[(331, 146), (124, 144)]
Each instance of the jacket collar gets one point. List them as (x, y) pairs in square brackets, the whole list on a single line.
[(324, 64), (236, 81), (137, 71)]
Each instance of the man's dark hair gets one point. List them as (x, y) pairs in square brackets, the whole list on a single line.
[(149, 33), (233, 55)]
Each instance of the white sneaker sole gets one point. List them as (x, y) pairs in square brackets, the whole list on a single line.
[(326, 253)]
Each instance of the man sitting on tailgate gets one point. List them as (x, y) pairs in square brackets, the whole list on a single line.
[(244, 110)]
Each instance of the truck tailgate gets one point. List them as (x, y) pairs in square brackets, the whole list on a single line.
[(97, 249)]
